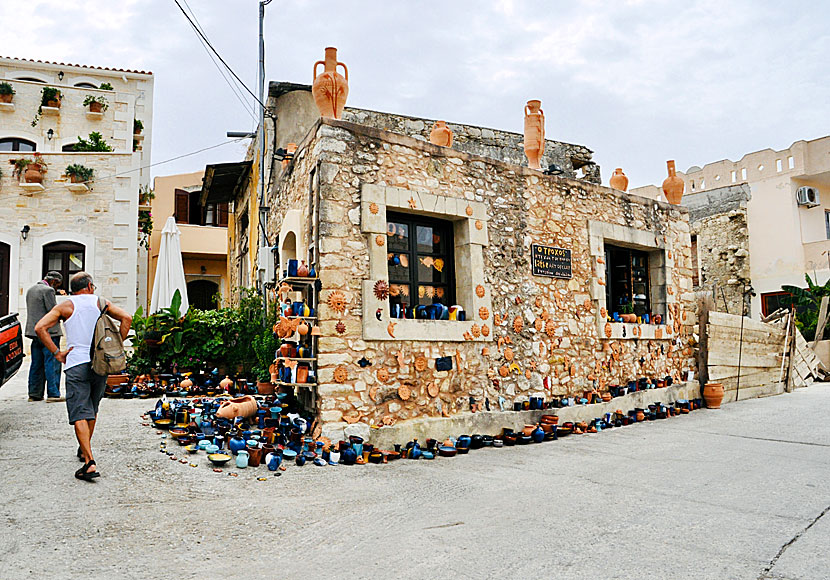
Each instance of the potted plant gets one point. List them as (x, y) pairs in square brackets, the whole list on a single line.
[(49, 97), (105, 87), (96, 104), (138, 126), (6, 92), (628, 313), (78, 173), (31, 170), (95, 142), (265, 347)]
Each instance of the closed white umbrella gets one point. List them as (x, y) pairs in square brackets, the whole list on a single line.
[(169, 270)]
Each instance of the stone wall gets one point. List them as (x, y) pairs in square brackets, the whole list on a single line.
[(516, 360), (719, 220)]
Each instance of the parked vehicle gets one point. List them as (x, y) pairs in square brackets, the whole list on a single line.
[(11, 347)]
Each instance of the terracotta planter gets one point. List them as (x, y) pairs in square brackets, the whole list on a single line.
[(6, 98), (713, 395), (302, 374), (534, 138), (96, 107), (75, 179), (56, 104), (33, 173), (239, 407), (330, 89), (254, 457), (115, 380), (628, 318), (673, 185), (265, 388), (441, 134), (618, 180)]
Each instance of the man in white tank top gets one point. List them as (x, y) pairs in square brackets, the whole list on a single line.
[(84, 388)]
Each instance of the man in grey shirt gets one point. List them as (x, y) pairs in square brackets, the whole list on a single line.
[(40, 299)]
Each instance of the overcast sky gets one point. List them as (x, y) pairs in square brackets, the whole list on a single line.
[(637, 81)]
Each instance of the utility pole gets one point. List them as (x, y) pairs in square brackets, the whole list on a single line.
[(263, 209)]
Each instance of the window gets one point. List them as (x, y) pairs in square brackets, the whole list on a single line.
[(17, 144), (420, 260), (85, 86), (779, 165), (734, 176), (30, 79), (627, 275), (695, 266), (743, 173), (69, 148), (772, 301), (790, 162), (827, 223), (188, 210), (64, 257), (201, 294)]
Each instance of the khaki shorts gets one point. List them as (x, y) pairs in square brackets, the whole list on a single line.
[(84, 390)]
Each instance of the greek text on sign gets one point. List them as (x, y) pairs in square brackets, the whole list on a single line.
[(550, 262)]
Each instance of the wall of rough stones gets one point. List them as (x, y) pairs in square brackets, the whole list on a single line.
[(524, 207)]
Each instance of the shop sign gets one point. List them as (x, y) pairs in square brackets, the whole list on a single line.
[(550, 262)]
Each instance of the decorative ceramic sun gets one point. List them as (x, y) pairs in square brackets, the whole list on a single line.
[(381, 290), (337, 301)]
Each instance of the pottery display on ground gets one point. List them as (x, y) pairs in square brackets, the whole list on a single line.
[(240, 407), (534, 134), (618, 180), (713, 395), (673, 185), (330, 89), (441, 134)]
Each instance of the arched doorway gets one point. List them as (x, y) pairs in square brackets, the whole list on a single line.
[(202, 294), (5, 276), (67, 258)]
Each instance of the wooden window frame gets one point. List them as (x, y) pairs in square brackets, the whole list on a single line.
[(16, 142), (64, 248), (765, 295), (610, 293)]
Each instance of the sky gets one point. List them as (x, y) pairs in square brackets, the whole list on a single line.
[(637, 81)]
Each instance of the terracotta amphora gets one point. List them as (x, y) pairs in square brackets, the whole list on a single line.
[(673, 185), (441, 134), (534, 142), (618, 180), (330, 88), (713, 395), (33, 173), (239, 407)]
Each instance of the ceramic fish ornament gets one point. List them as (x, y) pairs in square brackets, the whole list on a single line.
[(428, 261), (439, 264)]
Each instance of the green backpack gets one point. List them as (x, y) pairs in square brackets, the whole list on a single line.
[(106, 352)]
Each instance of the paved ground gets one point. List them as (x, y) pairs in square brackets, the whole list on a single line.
[(736, 493)]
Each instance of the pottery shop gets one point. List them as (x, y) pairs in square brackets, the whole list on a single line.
[(444, 283)]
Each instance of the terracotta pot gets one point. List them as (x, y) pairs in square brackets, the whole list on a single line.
[(302, 374), (239, 407), (528, 429), (75, 179), (441, 134), (254, 457), (33, 173), (628, 317), (303, 328), (713, 395), (6, 98), (115, 380), (56, 104), (330, 88), (302, 270), (96, 107), (265, 388), (606, 397), (534, 138), (618, 180), (673, 185)]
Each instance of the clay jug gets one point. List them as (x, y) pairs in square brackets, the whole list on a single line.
[(330, 88), (226, 383), (713, 395), (33, 173), (441, 134), (303, 328), (302, 272), (534, 141), (618, 180), (673, 185)]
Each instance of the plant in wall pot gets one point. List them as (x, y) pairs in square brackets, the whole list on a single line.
[(6, 92), (105, 87), (78, 173), (31, 170), (96, 104), (95, 142), (138, 126), (49, 97), (628, 313)]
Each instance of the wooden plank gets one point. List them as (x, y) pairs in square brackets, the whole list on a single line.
[(772, 331), (731, 320), (822, 317), (717, 373), (730, 334), (748, 360), (720, 345)]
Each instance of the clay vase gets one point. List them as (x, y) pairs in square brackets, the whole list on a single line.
[(226, 383), (534, 139), (239, 407), (303, 328), (330, 88), (618, 180), (302, 272), (713, 395), (441, 134), (673, 185), (33, 173)]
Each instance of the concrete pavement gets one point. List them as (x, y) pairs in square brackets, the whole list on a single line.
[(735, 493)]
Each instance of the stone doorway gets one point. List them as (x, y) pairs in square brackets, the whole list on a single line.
[(202, 294)]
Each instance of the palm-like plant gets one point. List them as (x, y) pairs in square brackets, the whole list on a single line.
[(807, 302)]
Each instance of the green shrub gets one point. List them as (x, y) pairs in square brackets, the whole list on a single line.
[(79, 171), (95, 142), (6, 88), (105, 87), (100, 99)]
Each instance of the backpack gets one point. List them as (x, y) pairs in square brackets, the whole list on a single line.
[(106, 352)]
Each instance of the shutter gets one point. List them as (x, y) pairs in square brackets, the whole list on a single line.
[(223, 215), (182, 207)]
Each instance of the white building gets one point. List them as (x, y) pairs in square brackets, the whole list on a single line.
[(788, 213), (57, 225)]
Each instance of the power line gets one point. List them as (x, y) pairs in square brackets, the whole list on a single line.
[(237, 93), (222, 60), (123, 173)]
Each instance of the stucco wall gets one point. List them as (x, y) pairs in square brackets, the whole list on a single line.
[(522, 207)]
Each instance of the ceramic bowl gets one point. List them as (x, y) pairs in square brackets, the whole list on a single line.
[(498, 443), (564, 431), (289, 453), (447, 451), (487, 440), (219, 458), (163, 423), (392, 455), (191, 448), (212, 449), (427, 455)]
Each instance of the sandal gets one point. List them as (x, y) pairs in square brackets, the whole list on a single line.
[(82, 473)]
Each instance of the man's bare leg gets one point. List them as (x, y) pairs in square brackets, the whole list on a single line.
[(83, 432)]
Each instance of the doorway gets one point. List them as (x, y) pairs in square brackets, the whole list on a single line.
[(202, 294), (5, 276)]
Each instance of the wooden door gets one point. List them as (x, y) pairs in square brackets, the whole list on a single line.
[(5, 275)]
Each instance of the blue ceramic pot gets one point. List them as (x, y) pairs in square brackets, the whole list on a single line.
[(348, 456), (433, 311), (445, 312), (538, 434), (292, 268), (275, 412), (300, 460), (236, 444), (463, 441), (242, 459), (274, 461), (461, 316), (421, 312), (297, 308)]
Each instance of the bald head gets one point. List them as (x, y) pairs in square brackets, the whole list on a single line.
[(81, 283)]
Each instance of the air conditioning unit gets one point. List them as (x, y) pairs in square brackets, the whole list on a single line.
[(807, 196)]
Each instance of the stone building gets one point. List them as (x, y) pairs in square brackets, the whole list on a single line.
[(64, 226), (787, 209), (204, 237), (536, 261)]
